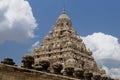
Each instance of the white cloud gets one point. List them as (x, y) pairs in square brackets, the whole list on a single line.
[(106, 51), (103, 46), (17, 22), (36, 44), (115, 72)]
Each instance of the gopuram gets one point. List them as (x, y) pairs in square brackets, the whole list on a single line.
[(65, 52)]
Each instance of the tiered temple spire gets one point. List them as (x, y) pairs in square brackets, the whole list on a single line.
[(64, 46)]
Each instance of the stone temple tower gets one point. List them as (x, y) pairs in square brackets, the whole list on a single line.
[(64, 46)]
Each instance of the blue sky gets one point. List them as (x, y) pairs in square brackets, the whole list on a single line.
[(88, 17)]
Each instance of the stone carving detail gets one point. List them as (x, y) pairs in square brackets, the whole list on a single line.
[(64, 45), (79, 73), (57, 68), (45, 64)]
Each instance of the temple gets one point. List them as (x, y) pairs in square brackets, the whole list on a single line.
[(62, 55), (63, 46)]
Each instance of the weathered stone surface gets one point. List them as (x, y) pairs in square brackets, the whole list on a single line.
[(96, 77), (45, 64), (88, 76), (27, 61), (57, 68), (79, 73), (8, 61), (69, 71), (63, 45), (19, 73)]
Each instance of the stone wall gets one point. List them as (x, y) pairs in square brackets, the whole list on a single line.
[(8, 72)]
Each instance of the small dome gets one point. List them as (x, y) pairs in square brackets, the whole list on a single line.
[(63, 15)]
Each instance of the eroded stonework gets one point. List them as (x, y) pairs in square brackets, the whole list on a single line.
[(64, 46)]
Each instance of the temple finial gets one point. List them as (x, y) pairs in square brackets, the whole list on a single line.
[(63, 11), (63, 15)]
